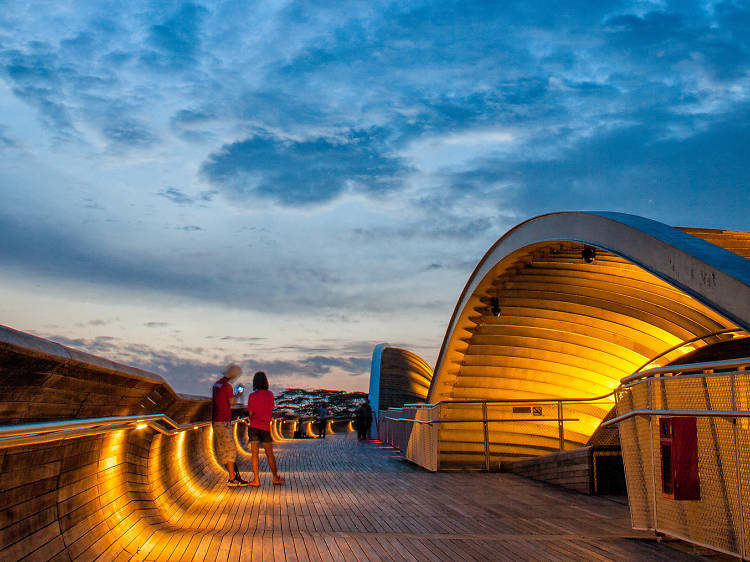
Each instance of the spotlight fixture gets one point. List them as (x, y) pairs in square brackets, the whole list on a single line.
[(495, 306), (588, 254)]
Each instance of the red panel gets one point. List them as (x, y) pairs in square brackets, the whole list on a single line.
[(678, 437)]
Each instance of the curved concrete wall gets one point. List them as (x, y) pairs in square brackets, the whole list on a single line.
[(101, 495), (568, 328)]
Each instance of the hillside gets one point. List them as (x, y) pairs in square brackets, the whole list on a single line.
[(300, 403)]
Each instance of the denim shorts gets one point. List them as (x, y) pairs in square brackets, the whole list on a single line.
[(255, 435)]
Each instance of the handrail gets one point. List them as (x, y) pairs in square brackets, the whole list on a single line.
[(742, 363), (680, 413), (507, 400), (481, 420), (46, 432), (688, 342)]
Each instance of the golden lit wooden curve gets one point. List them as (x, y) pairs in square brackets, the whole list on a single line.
[(564, 305)]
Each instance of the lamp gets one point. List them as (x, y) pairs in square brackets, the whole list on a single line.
[(588, 254), (495, 306)]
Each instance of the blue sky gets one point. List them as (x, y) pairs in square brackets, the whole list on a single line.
[(287, 184)]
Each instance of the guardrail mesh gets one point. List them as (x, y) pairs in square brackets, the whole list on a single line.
[(720, 518)]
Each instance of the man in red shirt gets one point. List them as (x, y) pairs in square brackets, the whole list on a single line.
[(223, 398)]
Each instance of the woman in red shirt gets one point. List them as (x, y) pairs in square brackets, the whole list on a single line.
[(260, 411)]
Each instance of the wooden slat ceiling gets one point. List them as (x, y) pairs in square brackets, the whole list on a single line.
[(568, 328)]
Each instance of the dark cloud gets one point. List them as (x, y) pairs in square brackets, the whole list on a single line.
[(179, 197), (190, 125), (447, 227), (303, 173), (176, 196), (635, 169), (5, 141), (35, 79), (128, 132), (194, 376), (176, 41), (49, 247)]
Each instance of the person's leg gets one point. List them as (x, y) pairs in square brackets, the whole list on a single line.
[(255, 450), (268, 448), (225, 448)]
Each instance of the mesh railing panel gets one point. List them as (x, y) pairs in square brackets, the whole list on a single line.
[(417, 441), (720, 518)]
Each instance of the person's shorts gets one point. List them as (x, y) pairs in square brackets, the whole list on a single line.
[(224, 439), (255, 435)]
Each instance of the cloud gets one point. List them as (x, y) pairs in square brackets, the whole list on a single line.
[(5, 141), (35, 79), (179, 197), (300, 173), (176, 41), (176, 196), (190, 124), (188, 374)]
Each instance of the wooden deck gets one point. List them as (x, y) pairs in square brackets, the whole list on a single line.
[(346, 500)]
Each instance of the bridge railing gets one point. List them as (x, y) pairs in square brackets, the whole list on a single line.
[(483, 432), (47, 432), (691, 483)]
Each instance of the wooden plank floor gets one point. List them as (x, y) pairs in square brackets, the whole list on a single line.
[(346, 500)]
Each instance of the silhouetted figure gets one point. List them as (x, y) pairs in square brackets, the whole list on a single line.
[(260, 411), (223, 398), (363, 417), (322, 420)]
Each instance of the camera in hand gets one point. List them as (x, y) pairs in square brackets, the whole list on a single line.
[(239, 390)]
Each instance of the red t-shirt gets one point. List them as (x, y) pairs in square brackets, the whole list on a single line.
[(260, 403), (222, 394)]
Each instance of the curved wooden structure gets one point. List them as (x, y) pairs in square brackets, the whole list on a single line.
[(563, 306), (81, 497), (397, 377), (581, 300)]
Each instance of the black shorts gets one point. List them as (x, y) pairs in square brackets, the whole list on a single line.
[(255, 435)]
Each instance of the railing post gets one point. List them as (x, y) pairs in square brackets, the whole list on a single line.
[(560, 429), (737, 469), (486, 438)]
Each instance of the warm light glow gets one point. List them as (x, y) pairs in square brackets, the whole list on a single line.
[(141, 426), (308, 429)]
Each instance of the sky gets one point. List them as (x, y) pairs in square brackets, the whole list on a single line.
[(287, 184)]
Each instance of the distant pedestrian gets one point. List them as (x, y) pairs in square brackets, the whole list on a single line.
[(223, 398), (363, 417), (260, 410), (322, 420)]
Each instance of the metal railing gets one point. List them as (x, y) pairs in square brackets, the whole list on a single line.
[(440, 416), (717, 395), (46, 432)]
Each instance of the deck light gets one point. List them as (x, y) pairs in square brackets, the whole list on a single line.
[(141, 426)]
